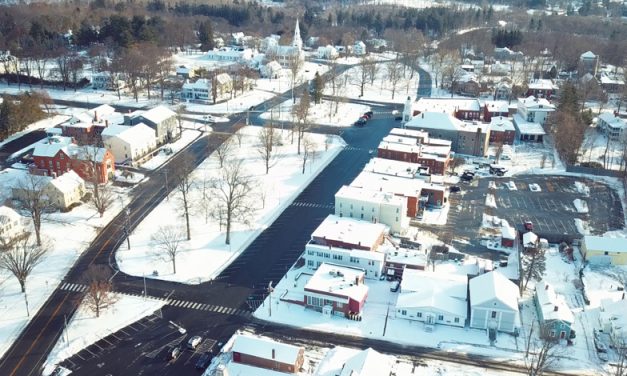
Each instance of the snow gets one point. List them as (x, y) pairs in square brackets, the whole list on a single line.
[(69, 233), (265, 349), (323, 113), (85, 328), (533, 187), (41, 124), (187, 137), (582, 188), (435, 216), (205, 255), (582, 226), (581, 205)]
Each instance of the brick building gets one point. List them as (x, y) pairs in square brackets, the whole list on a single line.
[(336, 289), (265, 353)]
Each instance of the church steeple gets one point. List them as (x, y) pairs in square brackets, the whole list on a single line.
[(297, 42)]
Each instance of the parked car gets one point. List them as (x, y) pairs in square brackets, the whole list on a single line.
[(454, 188), (394, 286), (203, 361), (193, 342), (360, 122), (528, 225), (174, 353), (369, 114), (397, 115)]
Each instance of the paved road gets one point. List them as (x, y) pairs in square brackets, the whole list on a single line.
[(18, 144), (424, 84)]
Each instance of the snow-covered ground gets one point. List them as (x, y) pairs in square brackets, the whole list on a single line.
[(323, 113), (206, 254), (84, 328), (69, 234), (596, 148), (187, 137)]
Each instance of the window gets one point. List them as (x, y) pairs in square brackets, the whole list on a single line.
[(327, 255), (493, 314), (404, 312), (310, 253), (419, 314), (310, 263), (440, 317), (606, 253), (456, 320)]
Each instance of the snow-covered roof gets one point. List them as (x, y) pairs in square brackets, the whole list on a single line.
[(552, 305), (501, 124), (264, 348), (397, 185), (588, 55), (273, 65), (223, 78), (448, 105), (366, 195), (606, 80), (542, 84), (612, 121), (412, 133), (536, 104), (497, 106), (530, 238), (508, 232), (405, 256), (357, 253), (101, 111), (391, 167), (445, 292), (158, 114), (367, 363), (349, 230), (527, 127), (8, 215), (201, 83), (341, 281), (605, 243), (49, 147), (434, 120), (613, 313), (493, 286), (139, 133), (399, 146), (68, 182)]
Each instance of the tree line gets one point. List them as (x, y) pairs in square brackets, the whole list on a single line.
[(16, 113)]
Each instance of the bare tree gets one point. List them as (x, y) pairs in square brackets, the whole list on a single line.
[(309, 151), (300, 112), (533, 265), (185, 182), (237, 132), (372, 68), (101, 194), (541, 353), (619, 366), (295, 65), (456, 162), (31, 192), (21, 257), (99, 294), (167, 242), (360, 78), (225, 149), (269, 139), (394, 74), (232, 193), (75, 68)]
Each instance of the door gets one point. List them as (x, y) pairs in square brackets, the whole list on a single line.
[(562, 334)]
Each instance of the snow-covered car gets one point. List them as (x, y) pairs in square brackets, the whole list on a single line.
[(533, 187), (193, 342), (511, 185), (394, 286)]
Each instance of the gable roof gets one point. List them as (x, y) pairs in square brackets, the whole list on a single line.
[(8, 215), (588, 55), (264, 347), (552, 305), (493, 286), (139, 133), (367, 363), (67, 182), (158, 114), (49, 147), (441, 291), (612, 120)]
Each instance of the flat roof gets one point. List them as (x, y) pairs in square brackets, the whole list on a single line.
[(349, 230), (527, 127), (396, 146), (500, 123), (409, 133), (358, 253), (604, 243), (392, 167), (264, 348), (338, 280), (388, 184), (449, 105)]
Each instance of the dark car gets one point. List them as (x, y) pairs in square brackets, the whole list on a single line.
[(360, 122), (454, 189), (528, 225), (467, 177), (369, 114), (203, 361)]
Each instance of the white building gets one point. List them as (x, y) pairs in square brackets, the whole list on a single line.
[(611, 125), (10, 223), (286, 54), (433, 298), (349, 233), (271, 70), (200, 90), (371, 262), (336, 289), (372, 206), (327, 52), (359, 48), (234, 55), (613, 320), (494, 303), (534, 109), (129, 144)]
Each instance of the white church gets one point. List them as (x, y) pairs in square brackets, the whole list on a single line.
[(285, 54)]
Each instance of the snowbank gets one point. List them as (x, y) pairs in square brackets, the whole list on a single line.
[(490, 201), (582, 226), (581, 205)]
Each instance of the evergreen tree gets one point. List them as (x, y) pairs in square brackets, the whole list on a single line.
[(205, 35), (318, 86), (5, 116)]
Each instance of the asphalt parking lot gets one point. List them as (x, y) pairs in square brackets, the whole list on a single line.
[(551, 208)]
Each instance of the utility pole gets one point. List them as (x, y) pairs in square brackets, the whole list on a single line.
[(127, 225), (270, 290), (387, 314)]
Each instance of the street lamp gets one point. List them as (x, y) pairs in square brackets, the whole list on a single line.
[(127, 225)]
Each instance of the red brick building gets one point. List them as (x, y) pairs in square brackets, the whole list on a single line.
[(494, 109), (336, 289), (265, 353), (502, 130), (404, 149), (56, 155)]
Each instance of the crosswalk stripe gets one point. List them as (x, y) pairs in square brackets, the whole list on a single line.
[(195, 306), (187, 304), (221, 310), (64, 286)]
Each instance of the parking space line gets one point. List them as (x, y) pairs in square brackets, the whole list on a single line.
[(127, 334), (78, 354)]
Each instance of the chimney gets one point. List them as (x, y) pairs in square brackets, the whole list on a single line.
[(555, 308), (546, 287), (96, 116), (273, 354), (423, 115), (106, 123), (356, 281)]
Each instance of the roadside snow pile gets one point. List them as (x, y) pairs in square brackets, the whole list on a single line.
[(85, 328), (582, 226), (582, 188), (490, 201), (581, 205)]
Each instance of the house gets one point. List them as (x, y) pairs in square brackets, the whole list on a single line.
[(528, 130), (327, 52), (372, 206), (359, 48), (66, 190), (240, 55), (494, 304), (368, 362), (588, 63), (268, 354), (530, 241), (470, 138), (612, 83), (398, 259), (556, 319), (604, 250), (505, 54), (536, 110), (494, 109), (185, 72), (86, 127), (160, 118), (349, 233), (502, 91), (57, 155), (508, 236), (434, 156), (542, 88), (10, 223), (285, 55), (370, 262), (502, 131), (223, 85), (199, 90), (461, 108), (611, 125), (271, 70), (336, 290), (612, 319), (129, 144), (433, 298)]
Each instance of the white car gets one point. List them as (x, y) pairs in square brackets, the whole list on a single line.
[(511, 185), (193, 342), (535, 187)]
